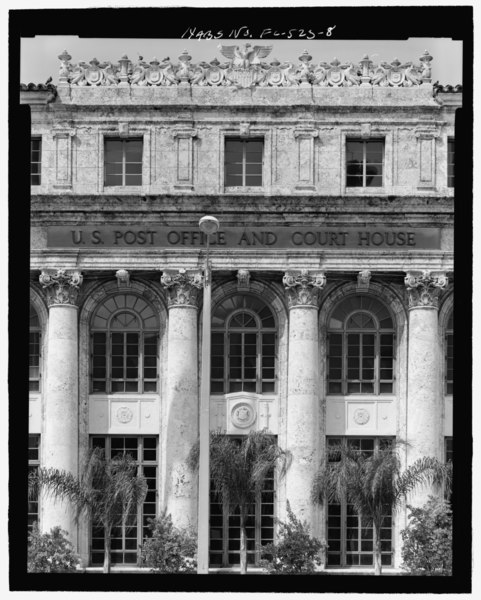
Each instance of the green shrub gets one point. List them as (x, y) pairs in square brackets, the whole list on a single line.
[(169, 550), (295, 551), (50, 552), (428, 540)]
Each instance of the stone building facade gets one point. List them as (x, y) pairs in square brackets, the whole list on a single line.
[(332, 285)]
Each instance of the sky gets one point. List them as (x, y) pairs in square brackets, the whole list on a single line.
[(39, 55)]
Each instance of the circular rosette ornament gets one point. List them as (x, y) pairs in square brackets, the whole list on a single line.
[(124, 415), (243, 415), (361, 416), (93, 74), (153, 74)]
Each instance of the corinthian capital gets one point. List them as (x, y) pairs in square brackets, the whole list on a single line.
[(424, 288), (303, 289), (62, 287), (182, 287)]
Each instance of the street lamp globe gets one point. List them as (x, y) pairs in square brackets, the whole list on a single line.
[(209, 225)]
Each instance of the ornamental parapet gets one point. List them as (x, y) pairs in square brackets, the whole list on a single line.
[(182, 288), (61, 287), (244, 68), (424, 288), (303, 288)]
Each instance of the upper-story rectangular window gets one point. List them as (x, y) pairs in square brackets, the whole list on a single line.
[(123, 162), (243, 162), (364, 163), (450, 163), (35, 161)]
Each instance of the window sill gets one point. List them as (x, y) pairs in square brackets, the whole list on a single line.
[(244, 190), (356, 191)]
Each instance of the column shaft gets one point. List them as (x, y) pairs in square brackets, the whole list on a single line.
[(303, 410), (60, 430)]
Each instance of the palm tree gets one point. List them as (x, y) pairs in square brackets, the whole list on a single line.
[(372, 482), (238, 469), (108, 491)]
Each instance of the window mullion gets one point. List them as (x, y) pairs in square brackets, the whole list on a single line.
[(123, 162), (364, 159), (244, 159)]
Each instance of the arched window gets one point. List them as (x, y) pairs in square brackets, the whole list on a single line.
[(243, 346), (360, 347), (34, 352), (449, 355), (125, 339)]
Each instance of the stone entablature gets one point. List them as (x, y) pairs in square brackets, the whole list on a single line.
[(244, 69)]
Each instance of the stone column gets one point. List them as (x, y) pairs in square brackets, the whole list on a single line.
[(59, 442), (181, 406), (303, 291), (424, 414)]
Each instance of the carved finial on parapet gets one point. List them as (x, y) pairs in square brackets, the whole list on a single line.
[(184, 72), (426, 59), (363, 279), (124, 63), (123, 278), (64, 68), (243, 280), (365, 64), (304, 71)]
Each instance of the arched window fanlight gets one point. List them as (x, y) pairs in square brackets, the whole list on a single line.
[(360, 347), (243, 346), (125, 339)]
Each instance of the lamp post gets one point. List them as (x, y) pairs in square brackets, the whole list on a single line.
[(208, 225)]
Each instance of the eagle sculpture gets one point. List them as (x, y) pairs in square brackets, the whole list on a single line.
[(243, 58)]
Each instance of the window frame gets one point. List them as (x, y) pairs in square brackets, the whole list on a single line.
[(141, 517), (352, 139), (226, 331), (263, 520), (33, 139), (451, 158), (245, 141), (34, 441), (344, 332), (124, 141), (108, 331), (449, 356), (343, 516), (35, 331)]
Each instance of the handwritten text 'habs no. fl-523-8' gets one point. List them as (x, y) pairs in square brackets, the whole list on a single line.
[(245, 32)]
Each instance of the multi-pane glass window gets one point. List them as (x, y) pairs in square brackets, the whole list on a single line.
[(350, 539), (360, 347), (33, 464), (123, 162), (127, 539), (125, 344), (224, 545), (448, 448), (35, 161), (449, 356), (450, 163), (243, 346), (364, 163), (243, 162), (34, 352)]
